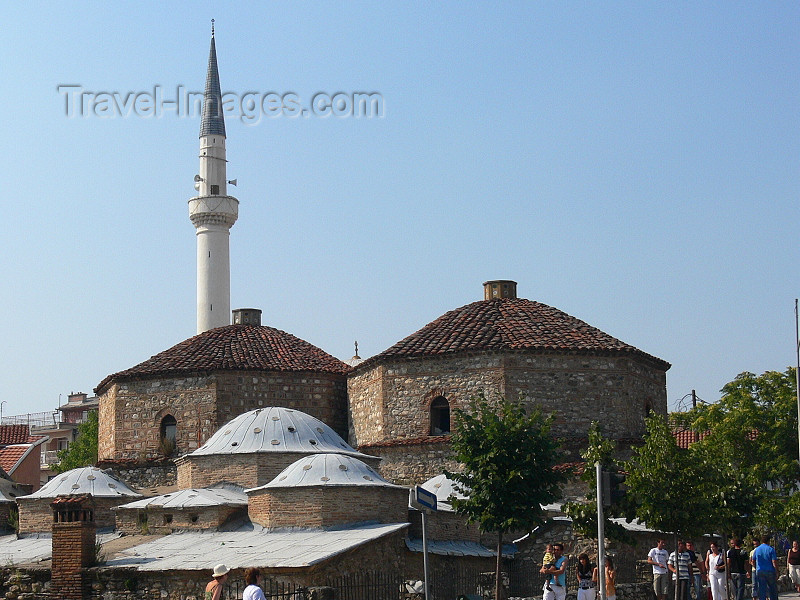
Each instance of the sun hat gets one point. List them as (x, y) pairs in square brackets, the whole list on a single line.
[(220, 570)]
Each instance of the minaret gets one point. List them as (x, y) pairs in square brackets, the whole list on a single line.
[(213, 212)]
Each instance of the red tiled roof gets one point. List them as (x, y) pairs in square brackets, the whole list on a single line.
[(10, 455), (685, 438), (16, 434), (509, 324), (234, 348)]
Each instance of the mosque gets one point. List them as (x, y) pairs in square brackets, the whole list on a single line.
[(281, 456), (396, 405)]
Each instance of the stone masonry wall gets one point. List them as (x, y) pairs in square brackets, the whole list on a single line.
[(131, 411), (321, 395), (143, 475), (159, 521), (616, 391), (411, 464), (131, 414), (443, 526), (325, 506), (365, 407), (35, 514)]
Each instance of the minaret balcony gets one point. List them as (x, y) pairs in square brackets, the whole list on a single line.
[(213, 210)]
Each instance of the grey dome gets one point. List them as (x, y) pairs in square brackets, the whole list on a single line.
[(327, 470), (84, 480), (275, 429)]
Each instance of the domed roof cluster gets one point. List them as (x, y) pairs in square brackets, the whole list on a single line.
[(508, 324), (84, 480), (233, 348), (327, 470), (275, 429)]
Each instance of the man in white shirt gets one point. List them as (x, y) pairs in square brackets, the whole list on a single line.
[(658, 558)]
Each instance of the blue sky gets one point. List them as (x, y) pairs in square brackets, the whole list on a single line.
[(633, 164)]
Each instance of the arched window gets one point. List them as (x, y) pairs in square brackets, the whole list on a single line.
[(440, 416), (169, 428)]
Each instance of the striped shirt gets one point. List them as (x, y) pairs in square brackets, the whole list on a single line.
[(683, 564)]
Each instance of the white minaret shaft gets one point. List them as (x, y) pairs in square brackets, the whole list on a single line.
[(213, 212)]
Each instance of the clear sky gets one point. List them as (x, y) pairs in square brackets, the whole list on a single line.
[(633, 164)]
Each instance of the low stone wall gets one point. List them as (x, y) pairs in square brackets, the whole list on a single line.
[(142, 475), (160, 520), (407, 463)]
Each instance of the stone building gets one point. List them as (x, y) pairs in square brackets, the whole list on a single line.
[(400, 400), (174, 401)]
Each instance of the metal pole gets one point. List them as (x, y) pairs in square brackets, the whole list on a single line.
[(797, 373), (601, 534), (425, 551)]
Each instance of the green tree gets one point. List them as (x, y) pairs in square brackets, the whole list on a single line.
[(584, 514), (751, 445), (508, 473), (668, 485), (83, 451)]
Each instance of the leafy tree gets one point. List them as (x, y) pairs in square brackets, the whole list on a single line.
[(509, 458), (584, 514), (83, 451), (752, 435), (668, 485)]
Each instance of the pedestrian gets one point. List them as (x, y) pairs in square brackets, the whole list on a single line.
[(555, 587), (766, 563), (658, 558), (737, 567), (587, 578), (252, 591), (793, 564), (611, 579), (682, 571), (699, 570), (717, 572), (753, 582), (214, 587)]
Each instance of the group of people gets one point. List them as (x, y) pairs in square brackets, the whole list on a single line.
[(220, 576), (554, 565), (688, 569)]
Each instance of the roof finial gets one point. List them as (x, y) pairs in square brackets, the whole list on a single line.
[(212, 28), (356, 356)]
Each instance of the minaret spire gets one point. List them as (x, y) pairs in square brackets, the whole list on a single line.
[(213, 212)]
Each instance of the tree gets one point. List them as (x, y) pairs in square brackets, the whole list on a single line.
[(668, 484), (752, 435), (83, 451), (508, 473), (584, 514)]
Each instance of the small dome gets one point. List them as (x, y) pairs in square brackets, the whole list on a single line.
[(444, 488), (328, 470), (275, 429), (193, 498), (84, 480)]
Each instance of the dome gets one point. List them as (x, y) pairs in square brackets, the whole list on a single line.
[(508, 325), (233, 348), (327, 470), (444, 488), (193, 498), (84, 480), (275, 429)]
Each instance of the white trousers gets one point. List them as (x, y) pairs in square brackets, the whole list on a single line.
[(718, 586), (556, 593), (586, 594)]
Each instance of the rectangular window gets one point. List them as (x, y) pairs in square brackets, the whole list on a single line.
[(215, 190)]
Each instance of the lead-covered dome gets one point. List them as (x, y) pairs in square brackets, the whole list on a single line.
[(84, 480), (327, 470), (275, 429)]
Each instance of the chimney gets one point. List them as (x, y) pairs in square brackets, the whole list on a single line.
[(74, 538), (247, 316), (499, 288)]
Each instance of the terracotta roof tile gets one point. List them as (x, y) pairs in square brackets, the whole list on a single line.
[(508, 324), (233, 348), (10, 455), (16, 434)]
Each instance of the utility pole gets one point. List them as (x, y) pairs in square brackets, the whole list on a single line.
[(797, 372)]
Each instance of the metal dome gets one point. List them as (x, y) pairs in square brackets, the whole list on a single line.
[(444, 488), (327, 470), (275, 429), (84, 480)]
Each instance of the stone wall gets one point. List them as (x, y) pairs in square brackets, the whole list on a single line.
[(131, 412), (35, 514), (410, 462), (443, 526), (326, 506), (160, 521), (142, 475)]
